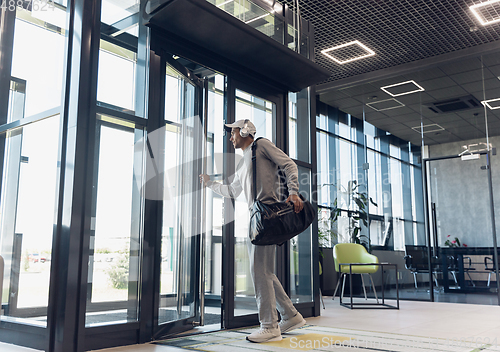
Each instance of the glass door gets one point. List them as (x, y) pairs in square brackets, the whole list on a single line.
[(181, 144), (239, 301), (461, 228)]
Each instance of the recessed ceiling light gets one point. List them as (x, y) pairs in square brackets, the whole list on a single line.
[(386, 104), (433, 127), (487, 12), (402, 88), (348, 52), (493, 104)]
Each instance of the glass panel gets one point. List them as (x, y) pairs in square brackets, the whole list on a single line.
[(253, 15), (27, 218), (174, 87), (122, 60), (119, 15), (180, 229), (396, 188), (299, 136), (292, 39), (301, 252), (215, 203), (116, 76), (461, 235), (17, 98), (36, 31), (327, 169), (343, 143), (375, 182), (262, 113), (115, 244)]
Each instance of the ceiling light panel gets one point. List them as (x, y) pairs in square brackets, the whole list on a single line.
[(487, 12), (493, 104), (348, 52), (434, 127), (402, 88), (387, 104)]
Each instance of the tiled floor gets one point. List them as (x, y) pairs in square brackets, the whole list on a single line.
[(420, 319)]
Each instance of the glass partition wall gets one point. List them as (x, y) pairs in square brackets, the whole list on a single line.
[(422, 146)]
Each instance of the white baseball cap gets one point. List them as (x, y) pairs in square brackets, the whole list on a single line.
[(240, 124)]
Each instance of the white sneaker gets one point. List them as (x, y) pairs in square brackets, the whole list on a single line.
[(265, 335), (291, 324)]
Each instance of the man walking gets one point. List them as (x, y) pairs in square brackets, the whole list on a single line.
[(269, 293)]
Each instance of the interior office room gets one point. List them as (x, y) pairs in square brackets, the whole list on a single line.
[(109, 111)]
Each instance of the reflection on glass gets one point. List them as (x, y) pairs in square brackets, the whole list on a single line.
[(261, 113), (299, 135), (301, 252), (293, 39), (115, 240), (326, 169), (27, 217), (254, 16)]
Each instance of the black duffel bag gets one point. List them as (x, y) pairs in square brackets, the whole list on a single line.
[(276, 223)]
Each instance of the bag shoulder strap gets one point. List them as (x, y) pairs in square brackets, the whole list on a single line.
[(254, 167)]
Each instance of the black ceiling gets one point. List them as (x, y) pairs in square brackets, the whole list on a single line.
[(406, 34), (399, 31)]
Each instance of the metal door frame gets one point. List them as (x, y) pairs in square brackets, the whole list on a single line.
[(159, 331)]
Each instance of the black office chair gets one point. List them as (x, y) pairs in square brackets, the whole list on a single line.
[(488, 260), (416, 260)]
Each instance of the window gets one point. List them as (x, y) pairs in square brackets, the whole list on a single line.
[(393, 178)]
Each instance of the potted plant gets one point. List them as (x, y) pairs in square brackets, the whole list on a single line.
[(358, 217)]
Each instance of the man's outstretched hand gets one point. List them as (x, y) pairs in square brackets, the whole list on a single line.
[(297, 202), (204, 179)]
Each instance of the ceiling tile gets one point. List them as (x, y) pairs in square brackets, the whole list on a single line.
[(471, 76), (462, 66), (473, 88), (343, 104), (494, 69), (411, 119), (437, 83), (448, 93), (425, 75)]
